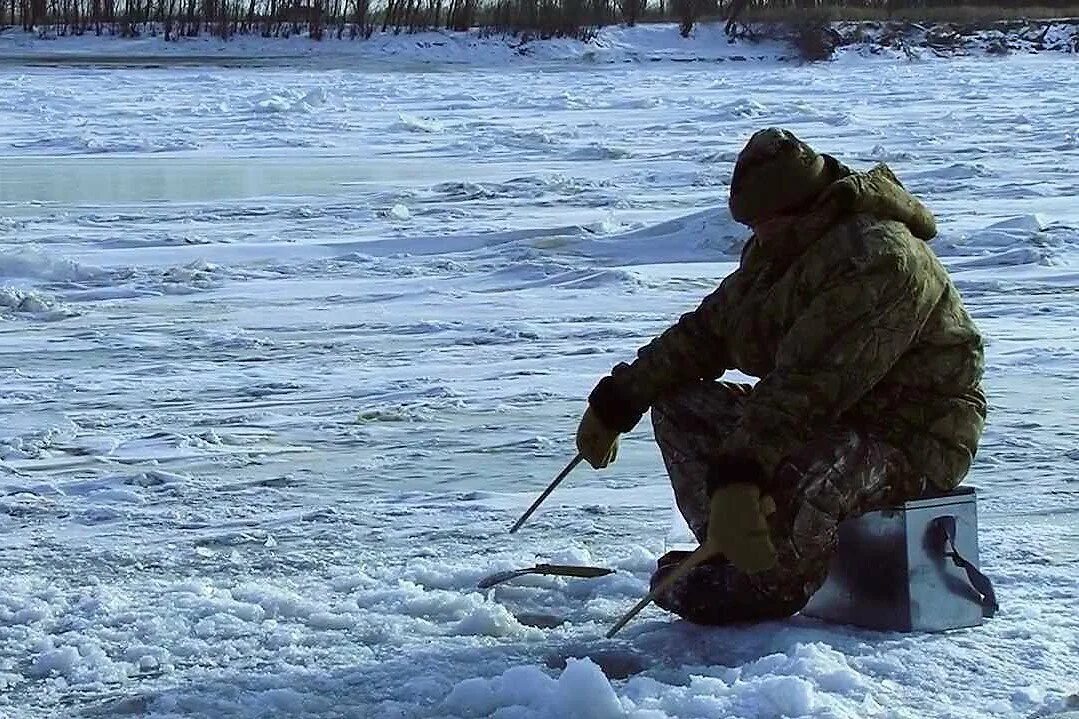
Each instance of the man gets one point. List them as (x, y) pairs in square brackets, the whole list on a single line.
[(869, 389)]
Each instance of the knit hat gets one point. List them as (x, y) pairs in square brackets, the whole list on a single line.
[(776, 173)]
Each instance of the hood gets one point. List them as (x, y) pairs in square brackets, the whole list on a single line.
[(879, 193)]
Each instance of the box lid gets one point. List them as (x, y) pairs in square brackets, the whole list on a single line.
[(959, 495)]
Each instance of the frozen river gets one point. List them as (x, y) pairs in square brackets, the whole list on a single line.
[(285, 349)]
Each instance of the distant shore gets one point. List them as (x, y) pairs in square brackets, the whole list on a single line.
[(648, 42)]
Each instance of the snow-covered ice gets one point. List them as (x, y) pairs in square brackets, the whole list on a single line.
[(285, 349)]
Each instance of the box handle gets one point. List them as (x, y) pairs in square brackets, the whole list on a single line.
[(981, 583)]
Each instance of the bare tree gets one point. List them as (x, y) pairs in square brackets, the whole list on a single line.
[(735, 9)]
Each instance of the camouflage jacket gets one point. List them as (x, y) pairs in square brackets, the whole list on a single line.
[(846, 316)]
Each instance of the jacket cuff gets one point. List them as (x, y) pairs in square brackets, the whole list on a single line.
[(614, 404), (732, 468)]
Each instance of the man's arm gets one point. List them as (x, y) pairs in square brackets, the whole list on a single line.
[(858, 325), (690, 350)]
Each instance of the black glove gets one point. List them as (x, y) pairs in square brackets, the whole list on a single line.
[(614, 403)]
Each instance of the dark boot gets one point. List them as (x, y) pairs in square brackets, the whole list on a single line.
[(715, 593)]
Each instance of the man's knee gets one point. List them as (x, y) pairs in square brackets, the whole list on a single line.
[(841, 474), (700, 407)]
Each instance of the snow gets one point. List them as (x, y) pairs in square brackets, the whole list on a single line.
[(285, 348)]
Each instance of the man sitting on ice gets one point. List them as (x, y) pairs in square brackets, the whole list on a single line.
[(869, 390)]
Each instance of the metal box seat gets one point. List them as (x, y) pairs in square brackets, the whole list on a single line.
[(913, 567)]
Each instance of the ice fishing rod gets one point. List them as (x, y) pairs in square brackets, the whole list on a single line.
[(550, 488), (699, 555), (552, 570)]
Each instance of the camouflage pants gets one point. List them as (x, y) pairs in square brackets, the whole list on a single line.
[(842, 472)]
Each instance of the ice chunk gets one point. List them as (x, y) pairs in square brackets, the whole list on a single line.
[(472, 698), (491, 620), (34, 263), (573, 554), (410, 123), (55, 661), (276, 601), (583, 691), (222, 626), (148, 663), (30, 302), (329, 620), (1022, 223), (784, 696)]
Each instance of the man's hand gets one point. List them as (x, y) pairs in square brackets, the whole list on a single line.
[(738, 527), (596, 442)]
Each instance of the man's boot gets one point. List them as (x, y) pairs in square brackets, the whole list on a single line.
[(715, 593)]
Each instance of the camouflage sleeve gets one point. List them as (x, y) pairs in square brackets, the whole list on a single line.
[(862, 319), (692, 349)]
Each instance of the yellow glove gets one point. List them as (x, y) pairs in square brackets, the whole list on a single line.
[(596, 442), (738, 527)]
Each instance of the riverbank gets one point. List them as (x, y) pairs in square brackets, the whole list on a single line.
[(614, 44)]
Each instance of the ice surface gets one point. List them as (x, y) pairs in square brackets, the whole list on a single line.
[(284, 352)]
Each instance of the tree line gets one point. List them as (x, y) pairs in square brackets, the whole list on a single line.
[(361, 18)]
